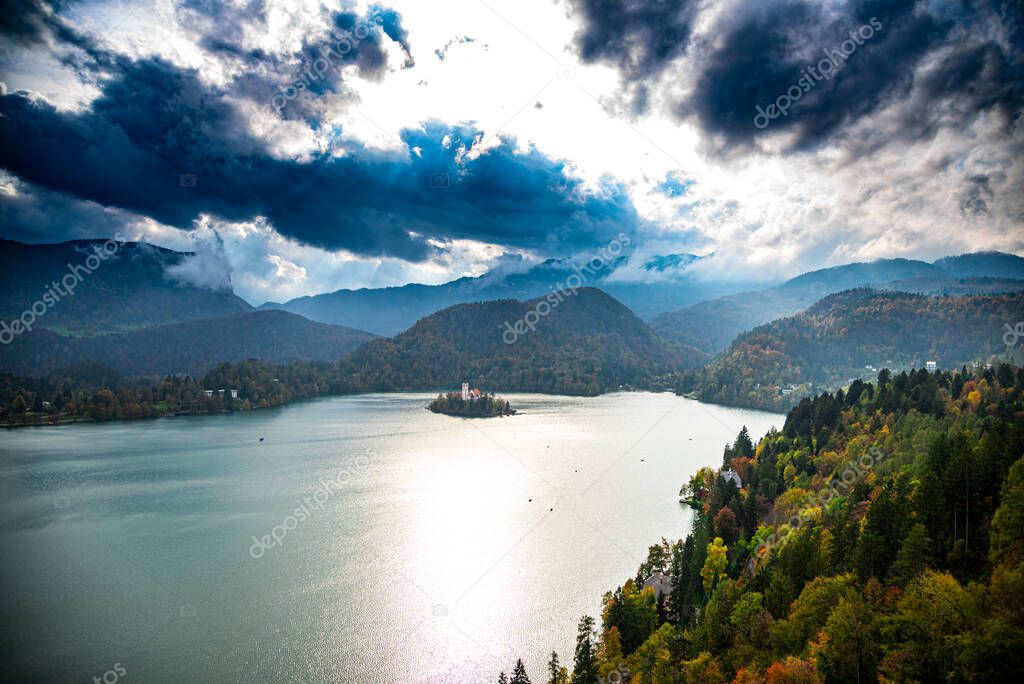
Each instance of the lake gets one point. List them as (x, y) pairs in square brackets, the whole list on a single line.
[(364, 539)]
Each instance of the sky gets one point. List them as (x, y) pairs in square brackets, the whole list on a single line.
[(301, 147)]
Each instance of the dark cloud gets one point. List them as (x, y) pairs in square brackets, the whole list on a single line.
[(26, 21), (34, 214), (946, 62), (975, 198), (160, 142), (765, 52), (639, 37)]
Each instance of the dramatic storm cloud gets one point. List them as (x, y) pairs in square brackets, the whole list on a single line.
[(353, 144), (832, 63), (162, 142)]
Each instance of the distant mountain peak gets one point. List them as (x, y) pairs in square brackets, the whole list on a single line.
[(662, 263)]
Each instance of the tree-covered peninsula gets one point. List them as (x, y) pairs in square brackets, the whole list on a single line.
[(879, 536)]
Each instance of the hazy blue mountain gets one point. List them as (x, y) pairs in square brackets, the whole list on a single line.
[(712, 324), (983, 265), (671, 261), (192, 347), (388, 311), (129, 290)]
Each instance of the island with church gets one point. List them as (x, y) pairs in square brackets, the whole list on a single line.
[(471, 403)]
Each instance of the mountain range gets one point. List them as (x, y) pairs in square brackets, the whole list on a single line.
[(149, 311), (854, 334), (188, 348), (138, 285), (390, 310), (712, 324)]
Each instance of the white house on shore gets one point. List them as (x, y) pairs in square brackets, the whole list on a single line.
[(732, 476), (661, 583)]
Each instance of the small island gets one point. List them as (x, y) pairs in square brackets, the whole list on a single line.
[(471, 403)]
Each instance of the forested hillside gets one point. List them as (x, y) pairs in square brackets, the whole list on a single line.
[(777, 364), (136, 286), (712, 324), (189, 348), (94, 392), (587, 344), (878, 537)]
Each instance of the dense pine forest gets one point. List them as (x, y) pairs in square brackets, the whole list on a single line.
[(879, 536)]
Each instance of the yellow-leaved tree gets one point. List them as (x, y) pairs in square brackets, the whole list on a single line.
[(714, 566)]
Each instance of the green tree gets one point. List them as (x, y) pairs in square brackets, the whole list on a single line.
[(743, 447), (519, 673), (749, 618), (652, 662), (704, 669), (929, 616), (633, 612), (1008, 522), (850, 649), (584, 668), (808, 613), (609, 652), (556, 673), (913, 556)]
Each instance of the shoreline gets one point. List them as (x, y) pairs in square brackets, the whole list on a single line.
[(91, 421)]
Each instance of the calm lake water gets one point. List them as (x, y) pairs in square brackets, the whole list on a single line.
[(438, 550)]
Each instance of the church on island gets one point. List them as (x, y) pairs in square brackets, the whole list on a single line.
[(471, 403), (469, 394)]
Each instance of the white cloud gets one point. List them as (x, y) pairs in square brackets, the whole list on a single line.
[(764, 215)]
